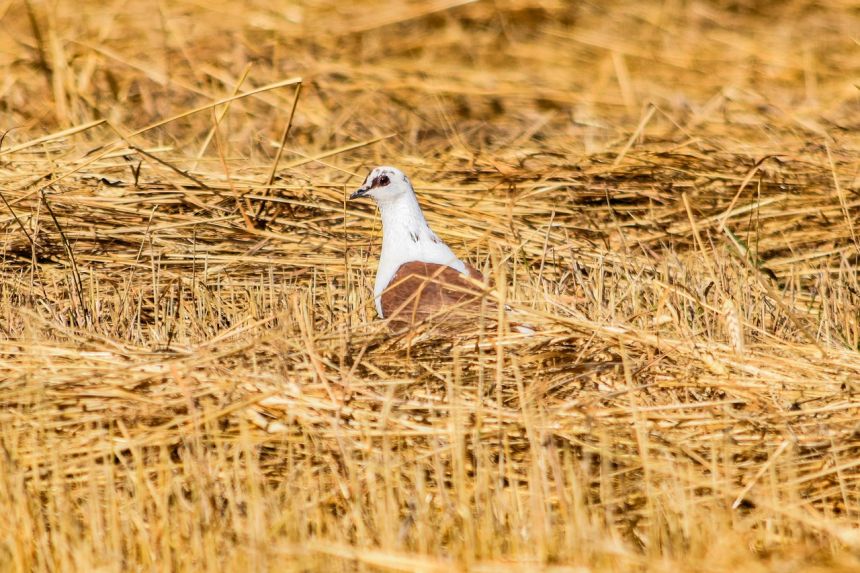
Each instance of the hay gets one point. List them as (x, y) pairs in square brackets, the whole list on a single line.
[(193, 375)]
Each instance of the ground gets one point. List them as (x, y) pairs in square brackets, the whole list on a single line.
[(193, 375)]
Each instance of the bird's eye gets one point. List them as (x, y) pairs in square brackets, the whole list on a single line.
[(384, 180)]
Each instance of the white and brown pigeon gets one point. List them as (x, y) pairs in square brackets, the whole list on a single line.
[(419, 277)]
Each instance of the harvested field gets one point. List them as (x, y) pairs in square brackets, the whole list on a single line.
[(192, 373)]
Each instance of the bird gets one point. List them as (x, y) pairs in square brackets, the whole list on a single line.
[(418, 277)]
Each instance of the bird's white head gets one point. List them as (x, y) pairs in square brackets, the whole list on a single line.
[(384, 185)]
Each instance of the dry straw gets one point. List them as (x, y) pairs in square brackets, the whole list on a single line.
[(193, 377)]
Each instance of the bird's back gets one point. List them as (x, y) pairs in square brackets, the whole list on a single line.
[(419, 291)]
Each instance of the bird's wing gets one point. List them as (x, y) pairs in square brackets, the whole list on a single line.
[(420, 290)]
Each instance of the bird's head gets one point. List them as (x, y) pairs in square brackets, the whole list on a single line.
[(384, 184)]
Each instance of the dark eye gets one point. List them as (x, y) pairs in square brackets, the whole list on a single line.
[(384, 180)]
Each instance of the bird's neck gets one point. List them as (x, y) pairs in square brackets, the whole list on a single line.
[(403, 222)]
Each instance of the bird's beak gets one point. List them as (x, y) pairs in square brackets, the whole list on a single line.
[(359, 193)]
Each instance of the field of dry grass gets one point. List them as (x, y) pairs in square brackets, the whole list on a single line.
[(192, 375)]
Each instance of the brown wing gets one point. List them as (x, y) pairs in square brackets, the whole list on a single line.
[(421, 290)]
